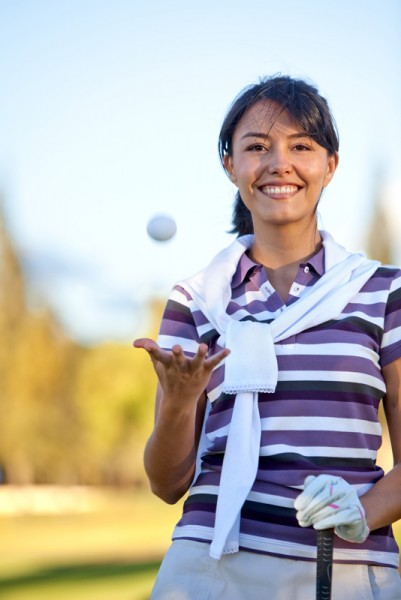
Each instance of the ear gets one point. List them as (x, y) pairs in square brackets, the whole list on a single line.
[(228, 165), (332, 164)]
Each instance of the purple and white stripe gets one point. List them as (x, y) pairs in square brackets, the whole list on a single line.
[(322, 418)]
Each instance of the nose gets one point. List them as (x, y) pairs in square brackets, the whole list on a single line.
[(279, 162)]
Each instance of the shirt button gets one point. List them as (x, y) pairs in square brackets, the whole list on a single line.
[(306, 269)]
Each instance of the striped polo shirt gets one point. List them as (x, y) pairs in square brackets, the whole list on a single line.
[(322, 417)]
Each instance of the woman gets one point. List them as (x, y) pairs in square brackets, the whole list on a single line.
[(271, 364)]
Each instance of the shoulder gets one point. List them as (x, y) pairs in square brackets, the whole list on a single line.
[(390, 277), (388, 272), (178, 306), (181, 307), (386, 278)]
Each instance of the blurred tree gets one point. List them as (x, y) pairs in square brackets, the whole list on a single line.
[(36, 359), (12, 311), (69, 414), (378, 239), (44, 425), (115, 390), (379, 246)]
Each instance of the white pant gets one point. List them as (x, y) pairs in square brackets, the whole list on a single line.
[(188, 573)]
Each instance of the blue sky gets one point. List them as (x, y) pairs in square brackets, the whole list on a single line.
[(110, 112)]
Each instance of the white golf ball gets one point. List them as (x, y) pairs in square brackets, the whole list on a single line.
[(161, 228)]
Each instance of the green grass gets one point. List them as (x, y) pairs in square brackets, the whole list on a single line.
[(111, 581), (111, 553)]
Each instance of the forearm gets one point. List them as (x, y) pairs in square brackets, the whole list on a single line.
[(382, 502), (170, 454)]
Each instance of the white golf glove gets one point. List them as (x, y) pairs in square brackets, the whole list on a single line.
[(330, 502)]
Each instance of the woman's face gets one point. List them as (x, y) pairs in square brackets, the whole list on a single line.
[(280, 172)]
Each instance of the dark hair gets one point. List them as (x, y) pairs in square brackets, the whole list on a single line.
[(303, 103)]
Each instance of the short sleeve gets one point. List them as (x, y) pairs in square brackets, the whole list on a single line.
[(391, 342), (178, 324)]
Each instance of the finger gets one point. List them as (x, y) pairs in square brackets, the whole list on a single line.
[(200, 355), (309, 480), (336, 506), (317, 485), (178, 355), (303, 501), (333, 496), (310, 515), (314, 492), (154, 350), (216, 359), (326, 512), (303, 522), (147, 344), (327, 523), (316, 506), (142, 342)]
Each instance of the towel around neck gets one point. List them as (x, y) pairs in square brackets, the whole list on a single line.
[(251, 367)]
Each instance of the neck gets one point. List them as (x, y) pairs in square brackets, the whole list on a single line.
[(275, 249), (282, 254)]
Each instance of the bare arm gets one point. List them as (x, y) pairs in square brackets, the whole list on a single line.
[(382, 502), (170, 454)]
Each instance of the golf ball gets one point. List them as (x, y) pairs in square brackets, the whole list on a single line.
[(161, 228)]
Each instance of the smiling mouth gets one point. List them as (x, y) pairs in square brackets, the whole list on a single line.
[(279, 190)]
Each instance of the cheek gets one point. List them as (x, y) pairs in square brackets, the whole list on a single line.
[(247, 170), (317, 173)]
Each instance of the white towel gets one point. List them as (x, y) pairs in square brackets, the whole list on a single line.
[(251, 366)]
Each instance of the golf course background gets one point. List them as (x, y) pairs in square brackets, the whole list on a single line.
[(106, 548)]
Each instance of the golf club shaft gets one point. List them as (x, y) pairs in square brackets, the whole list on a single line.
[(324, 565)]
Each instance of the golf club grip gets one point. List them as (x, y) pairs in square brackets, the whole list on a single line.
[(324, 565)]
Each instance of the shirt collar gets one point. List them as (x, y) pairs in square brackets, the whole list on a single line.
[(245, 269), (317, 261)]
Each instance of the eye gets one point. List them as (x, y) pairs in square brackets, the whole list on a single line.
[(256, 148), (302, 147)]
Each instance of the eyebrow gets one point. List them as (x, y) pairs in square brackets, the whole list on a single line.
[(266, 135)]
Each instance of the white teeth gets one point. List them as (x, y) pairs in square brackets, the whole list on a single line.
[(284, 189)]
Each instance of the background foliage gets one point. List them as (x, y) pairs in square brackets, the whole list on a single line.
[(70, 414)]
